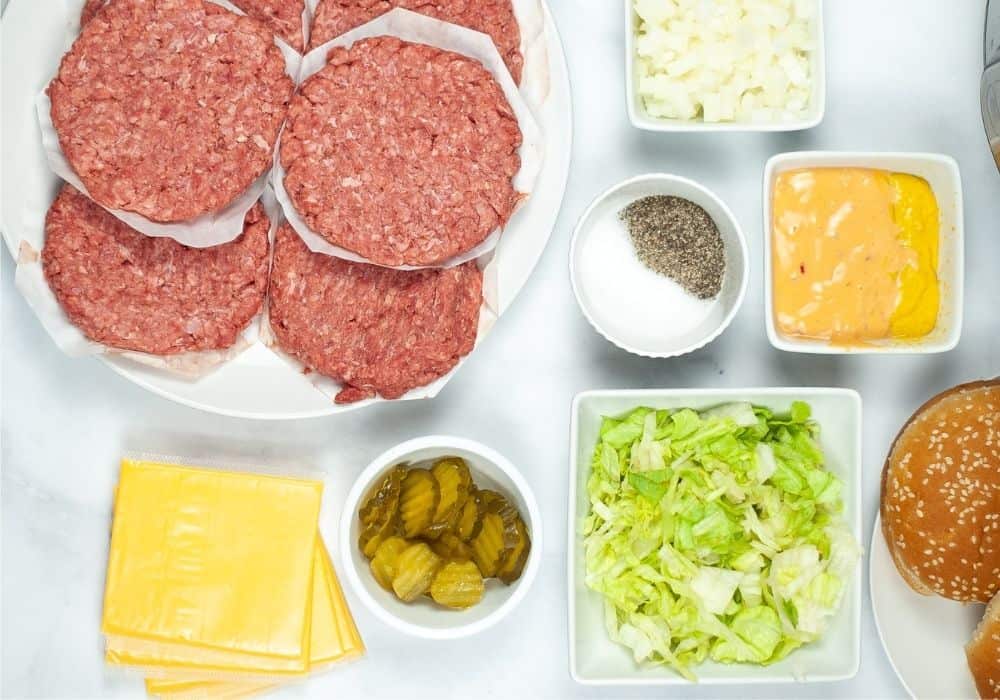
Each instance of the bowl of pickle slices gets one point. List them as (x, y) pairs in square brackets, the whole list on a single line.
[(440, 537)]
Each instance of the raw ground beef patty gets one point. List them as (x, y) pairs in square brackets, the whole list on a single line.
[(283, 17), (373, 329), (492, 17), (153, 295), (401, 152), (169, 108), (90, 9)]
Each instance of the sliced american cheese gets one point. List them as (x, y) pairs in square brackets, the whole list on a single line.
[(199, 662), (328, 643), (221, 562), (353, 645)]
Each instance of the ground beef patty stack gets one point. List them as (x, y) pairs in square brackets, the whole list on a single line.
[(494, 18), (401, 153), (940, 501), (133, 292), (169, 108), (375, 330)]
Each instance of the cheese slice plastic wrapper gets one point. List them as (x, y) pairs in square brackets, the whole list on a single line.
[(203, 690), (211, 567), (334, 639)]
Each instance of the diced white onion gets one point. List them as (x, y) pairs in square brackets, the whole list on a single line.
[(726, 60)]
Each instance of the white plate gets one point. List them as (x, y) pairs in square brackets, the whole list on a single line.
[(595, 659), (256, 384), (923, 636), (942, 173)]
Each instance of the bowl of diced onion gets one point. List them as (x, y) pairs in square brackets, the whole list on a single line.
[(725, 65)]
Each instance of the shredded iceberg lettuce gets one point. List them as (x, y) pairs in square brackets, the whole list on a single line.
[(715, 535)]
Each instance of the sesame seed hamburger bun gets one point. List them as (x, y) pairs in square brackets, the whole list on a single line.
[(983, 652), (940, 502)]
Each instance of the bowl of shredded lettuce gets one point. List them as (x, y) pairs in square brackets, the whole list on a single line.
[(713, 537)]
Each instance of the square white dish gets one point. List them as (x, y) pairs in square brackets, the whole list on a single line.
[(642, 120), (595, 659), (943, 175)]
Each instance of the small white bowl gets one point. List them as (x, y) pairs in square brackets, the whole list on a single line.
[(595, 659), (641, 119), (722, 309), (423, 618), (945, 180)]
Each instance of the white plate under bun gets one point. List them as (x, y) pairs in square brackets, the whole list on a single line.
[(942, 173), (423, 618), (923, 636), (734, 285)]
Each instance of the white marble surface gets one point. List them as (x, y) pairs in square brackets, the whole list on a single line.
[(903, 74)]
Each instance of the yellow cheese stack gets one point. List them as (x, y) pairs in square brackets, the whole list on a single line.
[(218, 584)]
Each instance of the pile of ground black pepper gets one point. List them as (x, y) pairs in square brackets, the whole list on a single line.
[(677, 238)]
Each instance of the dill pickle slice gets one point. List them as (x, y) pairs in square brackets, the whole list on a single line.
[(488, 546), (384, 499), (486, 496), (516, 555), (458, 585), (418, 501), (378, 514), (468, 524), (373, 535), (495, 503), (454, 480), (460, 468), (415, 569), (450, 546), (383, 564)]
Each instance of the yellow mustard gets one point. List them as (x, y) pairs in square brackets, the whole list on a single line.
[(916, 213), (854, 255)]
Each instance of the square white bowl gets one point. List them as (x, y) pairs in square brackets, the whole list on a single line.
[(595, 659), (942, 173), (642, 120)]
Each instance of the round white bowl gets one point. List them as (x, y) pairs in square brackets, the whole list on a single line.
[(424, 618), (734, 284)]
